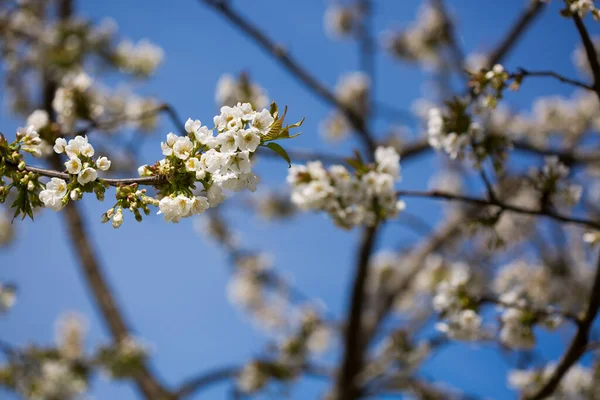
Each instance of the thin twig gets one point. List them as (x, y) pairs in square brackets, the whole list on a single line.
[(515, 32), (436, 194), (522, 72), (207, 379), (590, 51)]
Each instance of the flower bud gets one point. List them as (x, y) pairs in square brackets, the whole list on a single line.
[(21, 165), (100, 195), (30, 186), (117, 220), (75, 194)]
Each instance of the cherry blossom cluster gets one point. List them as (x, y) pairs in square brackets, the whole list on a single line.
[(398, 349), (579, 382), (83, 172), (551, 182), (64, 370), (290, 355), (141, 58), (76, 98), (341, 21), (31, 37), (353, 91), (351, 199), (453, 131), (299, 330), (217, 162), (455, 300), (8, 297), (422, 40), (232, 90), (249, 290), (79, 99), (565, 119), (257, 289), (526, 295), (492, 82)]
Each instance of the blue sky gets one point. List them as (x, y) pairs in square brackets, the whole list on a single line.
[(169, 281)]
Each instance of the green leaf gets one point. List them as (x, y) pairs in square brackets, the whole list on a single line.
[(274, 110), (281, 151), (354, 163), (276, 128)]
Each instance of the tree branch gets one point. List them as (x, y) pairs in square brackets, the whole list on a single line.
[(515, 32), (90, 266), (590, 51), (206, 379), (347, 385)]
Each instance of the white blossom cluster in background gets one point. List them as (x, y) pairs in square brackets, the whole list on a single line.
[(452, 143), (551, 181), (6, 229), (578, 383), (536, 285), (247, 290), (64, 371), (567, 119), (353, 91), (309, 336), (455, 299), (341, 21), (141, 58), (8, 297), (350, 199), (422, 40), (125, 109), (526, 296), (231, 91), (78, 99), (299, 331)]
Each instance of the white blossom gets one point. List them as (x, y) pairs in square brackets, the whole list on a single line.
[(87, 175), (73, 165), (54, 193), (103, 164), (38, 119)]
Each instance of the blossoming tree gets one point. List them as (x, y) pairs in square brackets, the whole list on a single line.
[(486, 274)]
